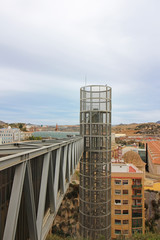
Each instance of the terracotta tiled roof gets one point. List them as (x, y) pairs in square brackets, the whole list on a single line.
[(131, 169), (154, 151)]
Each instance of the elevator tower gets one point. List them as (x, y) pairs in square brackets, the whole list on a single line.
[(95, 165)]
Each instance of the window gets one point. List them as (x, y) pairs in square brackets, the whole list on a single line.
[(117, 221), (117, 211), (125, 221), (117, 182), (117, 231), (125, 182), (125, 231), (118, 192), (117, 202), (136, 181), (125, 211), (125, 202), (137, 213), (137, 223), (125, 191)]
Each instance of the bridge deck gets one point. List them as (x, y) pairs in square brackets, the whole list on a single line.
[(34, 177)]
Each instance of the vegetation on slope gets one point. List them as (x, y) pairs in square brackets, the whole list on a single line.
[(147, 236), (66, 221)]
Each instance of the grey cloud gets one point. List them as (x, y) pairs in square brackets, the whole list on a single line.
[(49, 47)]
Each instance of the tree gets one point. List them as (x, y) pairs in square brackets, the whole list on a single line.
[(20, 126), (35, 138)]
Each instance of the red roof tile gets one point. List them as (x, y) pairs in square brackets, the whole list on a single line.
[(154, 151)]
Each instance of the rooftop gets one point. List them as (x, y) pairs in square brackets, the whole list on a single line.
[(124, 168), (154, 151), (53, 134)]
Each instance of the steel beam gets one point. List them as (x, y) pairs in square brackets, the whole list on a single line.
[(30, 203), (42, 195), (14, 204), (63, 169), (69, 158), (50, 185), (56, 176)]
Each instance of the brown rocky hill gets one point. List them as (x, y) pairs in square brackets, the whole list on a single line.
[(128, 129), (134, 129), (1, 122), (148, 128)]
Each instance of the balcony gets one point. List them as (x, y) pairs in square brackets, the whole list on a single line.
[(137, 206), (136, 215), (136, 230), (137, 226), (136, 196), (136, 186), (136, 223)]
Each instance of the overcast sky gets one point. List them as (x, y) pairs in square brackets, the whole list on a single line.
[(48, 47)]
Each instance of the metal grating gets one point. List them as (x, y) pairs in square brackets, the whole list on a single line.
[(95, 165)]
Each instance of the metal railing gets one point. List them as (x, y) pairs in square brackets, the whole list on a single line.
[(136, 186), (136, 196), (137, 206)]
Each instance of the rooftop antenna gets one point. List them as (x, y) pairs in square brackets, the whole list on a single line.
[(85, 80)]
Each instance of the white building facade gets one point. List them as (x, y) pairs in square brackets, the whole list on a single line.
[(9, 135)]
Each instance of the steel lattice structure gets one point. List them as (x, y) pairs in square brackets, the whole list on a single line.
[(95, 165), (33, 181)]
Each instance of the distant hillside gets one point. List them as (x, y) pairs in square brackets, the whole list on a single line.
[(2, 123), (12, 125), (128, 129), (148, 128), (133, 129), (158, 122), (69, 128)]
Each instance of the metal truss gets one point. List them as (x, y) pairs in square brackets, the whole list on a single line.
[(59, 161)]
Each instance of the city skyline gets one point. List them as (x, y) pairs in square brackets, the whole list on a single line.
[(48, 50)]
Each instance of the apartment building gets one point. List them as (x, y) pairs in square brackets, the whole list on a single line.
[(26, 135), (16, 134), (127, 201), (9, 135)]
